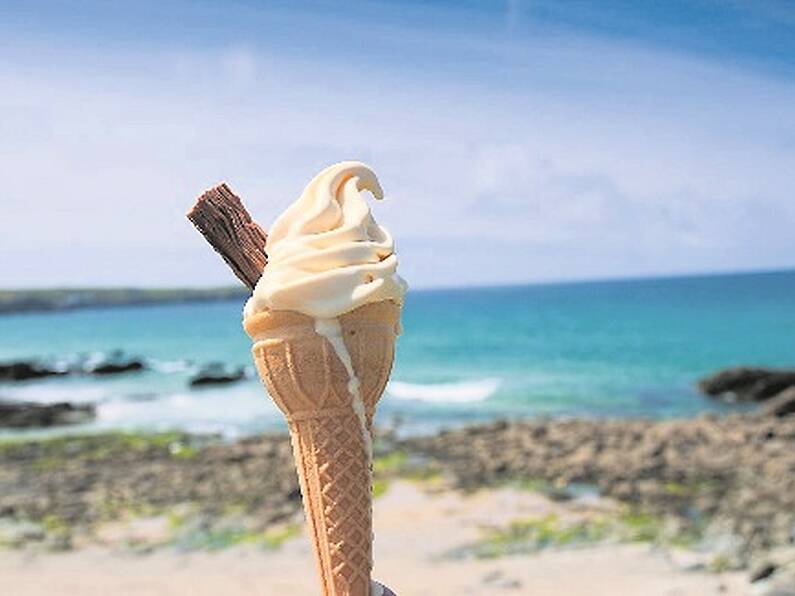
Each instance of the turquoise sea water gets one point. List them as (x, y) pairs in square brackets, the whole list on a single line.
[(623, 348)]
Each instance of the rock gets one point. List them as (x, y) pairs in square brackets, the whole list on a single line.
[(217, 375), (762, 572), (747, 384), (24, 370), (26, 415), (114, 368), (782, 581), (781, 405)]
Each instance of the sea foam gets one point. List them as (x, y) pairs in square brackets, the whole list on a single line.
[(462, 392)]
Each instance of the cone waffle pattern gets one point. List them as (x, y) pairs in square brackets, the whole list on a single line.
[(309, 383)]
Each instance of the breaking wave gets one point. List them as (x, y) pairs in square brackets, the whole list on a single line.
[(462, 392)]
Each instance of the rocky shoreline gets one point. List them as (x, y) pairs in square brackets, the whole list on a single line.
[(722, 483), (112, 364), (729, 478), (32, 415)]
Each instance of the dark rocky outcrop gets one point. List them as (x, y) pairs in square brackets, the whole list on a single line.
[(24, 370), (782, 404), (744, 384), (216, 374), (114, 368), (762, 572), (28, 415)]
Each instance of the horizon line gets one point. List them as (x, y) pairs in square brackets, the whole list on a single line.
[(550, 282)]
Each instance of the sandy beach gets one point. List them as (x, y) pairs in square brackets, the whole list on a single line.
[(699, 506), (417, 535)]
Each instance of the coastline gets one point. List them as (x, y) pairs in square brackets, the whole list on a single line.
[(67, 299), (715, 493), (687, 501)]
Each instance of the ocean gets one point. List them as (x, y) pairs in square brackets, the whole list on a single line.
[(598, 349)]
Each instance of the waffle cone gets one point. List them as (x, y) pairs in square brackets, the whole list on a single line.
[(309, 384)]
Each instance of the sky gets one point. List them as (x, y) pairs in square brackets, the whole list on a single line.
[(516, 141)]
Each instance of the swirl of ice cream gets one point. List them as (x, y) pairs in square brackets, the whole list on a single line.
[(326, 253)]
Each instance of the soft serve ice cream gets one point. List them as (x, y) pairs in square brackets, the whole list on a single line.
[(326, 253)]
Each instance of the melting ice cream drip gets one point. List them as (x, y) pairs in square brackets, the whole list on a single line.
[(332, 331)]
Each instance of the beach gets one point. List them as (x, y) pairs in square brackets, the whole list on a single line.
[(587, 507), (519, 275), (411, 556)]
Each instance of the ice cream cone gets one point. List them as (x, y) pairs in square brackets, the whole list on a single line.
[(310, 382)]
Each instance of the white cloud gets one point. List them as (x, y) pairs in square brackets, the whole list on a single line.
[(568, 159)]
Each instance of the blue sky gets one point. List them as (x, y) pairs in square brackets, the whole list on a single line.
[(516, 141)]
